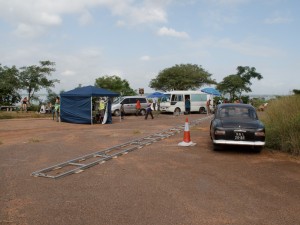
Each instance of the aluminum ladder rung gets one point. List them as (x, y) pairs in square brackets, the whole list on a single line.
[(121, 149)]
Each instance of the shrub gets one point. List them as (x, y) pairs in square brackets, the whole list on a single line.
[(282, 121)]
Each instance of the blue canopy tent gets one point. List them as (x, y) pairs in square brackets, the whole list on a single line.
[(211, 91), (156, 95), (76, 105)]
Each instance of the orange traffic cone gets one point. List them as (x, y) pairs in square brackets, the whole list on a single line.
[(186, 136)]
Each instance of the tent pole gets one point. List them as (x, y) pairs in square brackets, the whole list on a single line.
[(91, 110)]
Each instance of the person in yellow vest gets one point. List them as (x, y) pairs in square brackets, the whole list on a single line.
[(101, 108)]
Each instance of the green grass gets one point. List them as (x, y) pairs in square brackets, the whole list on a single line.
[(137, 132), (20, 115), (34, 140), (282, 121)]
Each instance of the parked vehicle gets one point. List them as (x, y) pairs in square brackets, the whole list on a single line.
[(237, 124), (174, 101), (129, 103)]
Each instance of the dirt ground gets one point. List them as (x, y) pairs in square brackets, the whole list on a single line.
[(158, 184)]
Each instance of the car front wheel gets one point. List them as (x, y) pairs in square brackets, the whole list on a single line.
[(202, 110), (143, 112), (117, 112), (217, 147)]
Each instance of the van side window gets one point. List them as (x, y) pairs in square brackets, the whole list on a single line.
[(126, 101), (177, 98), (132, 100), (143, 100)]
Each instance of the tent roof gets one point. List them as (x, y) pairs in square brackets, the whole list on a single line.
[(89, 91)]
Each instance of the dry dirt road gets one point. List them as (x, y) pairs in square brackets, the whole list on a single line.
[(160, 184)]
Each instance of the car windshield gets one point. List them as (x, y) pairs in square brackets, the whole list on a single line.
[(165, 98), (118, 100), (237, 112)]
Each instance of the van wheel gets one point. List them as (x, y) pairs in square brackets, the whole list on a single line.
[(177, 110), (143, 112), (117, 112), (202, 110)]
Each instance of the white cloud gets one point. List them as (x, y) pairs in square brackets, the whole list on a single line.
[(44, 13), (121, 23), (228, 2), (68, 73), (248, 47), (164, 31), (145, 58), (28, 31), (277, 20), (85, 18)]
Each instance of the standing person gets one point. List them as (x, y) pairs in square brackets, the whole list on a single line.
[(137, 107), (57, 109), (158, 104), (208, 106), (187, 105), (149, 111), (101, 109), (122, 111), (24, 104), (154, 104), (53, 111)]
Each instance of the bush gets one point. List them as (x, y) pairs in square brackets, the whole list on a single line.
[(282, 121)]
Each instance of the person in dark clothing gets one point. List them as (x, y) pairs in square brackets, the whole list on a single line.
[(187, 106), (149, 111), (122, 111)]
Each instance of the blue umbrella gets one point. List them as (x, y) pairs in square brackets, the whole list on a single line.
[(211, 91), (156, 95)]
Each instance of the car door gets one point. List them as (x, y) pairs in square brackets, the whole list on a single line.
[(132, 105), (126, 105)]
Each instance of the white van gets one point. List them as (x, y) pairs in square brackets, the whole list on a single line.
[(129, 103), (174, 101)]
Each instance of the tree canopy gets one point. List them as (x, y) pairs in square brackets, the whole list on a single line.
[(235, 84), (296, 91), (9, 85), (33, 78), (116, 84), (181, 77)]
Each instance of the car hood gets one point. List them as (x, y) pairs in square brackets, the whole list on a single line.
[(246, 124)]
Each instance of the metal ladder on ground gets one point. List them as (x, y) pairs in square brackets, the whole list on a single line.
[(79, 164)]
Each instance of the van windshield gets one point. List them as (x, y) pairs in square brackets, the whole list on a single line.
[(118, 100), (166, 98)]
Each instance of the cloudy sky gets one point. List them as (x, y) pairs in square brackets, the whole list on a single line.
[(136, 39)]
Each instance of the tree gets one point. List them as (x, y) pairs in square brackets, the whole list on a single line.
[(235, 84), (9, 85), (34, 78), (116, 84), (51, 96), (181, 77), (296, 91)]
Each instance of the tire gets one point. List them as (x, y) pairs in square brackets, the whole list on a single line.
[(177, 110), (117, 112), (257, 149), (143, 112), (202, 110), (216, 147)]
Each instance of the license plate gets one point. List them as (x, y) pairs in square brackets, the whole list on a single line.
[(239, 136)]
